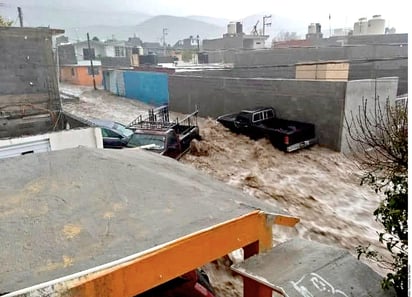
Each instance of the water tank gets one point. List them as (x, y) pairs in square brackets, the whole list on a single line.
[(363, 26), (239, 28), (137, 50), (376, 25), (231, 28), (312, 29), (360, 27)]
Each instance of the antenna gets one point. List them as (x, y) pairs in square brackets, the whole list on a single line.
[(266, 24), (254, 31)]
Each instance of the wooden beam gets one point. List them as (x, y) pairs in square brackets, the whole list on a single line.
[(171, 260)]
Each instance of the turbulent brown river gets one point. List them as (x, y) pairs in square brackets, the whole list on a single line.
[(320, 186)]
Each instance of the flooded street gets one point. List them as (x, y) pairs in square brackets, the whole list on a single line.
[(320, 186)]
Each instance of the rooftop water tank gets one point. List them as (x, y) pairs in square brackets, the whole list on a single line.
[(231, 28), (312, 28), (360, 27), (376, 25), (239, 28)]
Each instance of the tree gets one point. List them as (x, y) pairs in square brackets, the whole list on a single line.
[(378, 138), (4, 22), (187, 55), (95, 38)]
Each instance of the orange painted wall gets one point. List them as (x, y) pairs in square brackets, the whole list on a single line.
[(81, 76)]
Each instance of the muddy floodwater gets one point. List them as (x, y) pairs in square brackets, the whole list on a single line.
[(318, 185)]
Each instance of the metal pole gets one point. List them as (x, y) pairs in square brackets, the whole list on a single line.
[(266, 24), (263, 27), (58, 65), (20, 16), (91, 60), (164, 41)]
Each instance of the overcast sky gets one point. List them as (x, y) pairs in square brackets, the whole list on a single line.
[(343, 13), (395, 12)]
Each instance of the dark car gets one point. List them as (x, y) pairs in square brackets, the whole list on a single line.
[(115, 135)]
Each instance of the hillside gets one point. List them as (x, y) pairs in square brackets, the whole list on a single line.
[(178, 28), (37, 15), (106, 21)]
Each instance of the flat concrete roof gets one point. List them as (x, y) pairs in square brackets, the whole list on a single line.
[(66, 211), (305, 268)]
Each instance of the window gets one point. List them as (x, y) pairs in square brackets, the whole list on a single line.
[(257, 117), (267, 114), (73, 72), (110, 133), (122, 129), (119, 51), (89, 55), (171, 140), (270, 114), (96, 70), (156, 141)]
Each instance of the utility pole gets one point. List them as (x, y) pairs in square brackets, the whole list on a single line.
[(330, 27), (266, 24), (20, 16), (58, 64), (164, 40), (91, 60)]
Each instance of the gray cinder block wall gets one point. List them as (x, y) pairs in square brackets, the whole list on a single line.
[(374, 91), (368, 61), (28, 80), (319, 102)]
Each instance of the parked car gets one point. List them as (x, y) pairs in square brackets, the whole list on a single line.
[(192, 284), (261, 122), (115, 135)]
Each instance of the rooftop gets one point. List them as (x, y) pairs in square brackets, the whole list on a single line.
[(67, 211)]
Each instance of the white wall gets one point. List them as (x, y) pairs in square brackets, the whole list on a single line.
[(88, 137), (383, 88), (109, 50)]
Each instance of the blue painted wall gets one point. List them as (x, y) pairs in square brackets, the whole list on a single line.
[(148, 87)]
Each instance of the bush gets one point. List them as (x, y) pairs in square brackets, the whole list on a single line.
[(378, 139)]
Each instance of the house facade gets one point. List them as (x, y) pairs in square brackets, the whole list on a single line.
[(81, 73), (97, 50)]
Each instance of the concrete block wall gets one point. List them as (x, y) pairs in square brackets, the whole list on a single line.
[(317, 102), (269, 72), (284, 58), (371, 90), (27, 63), (28, 80)]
